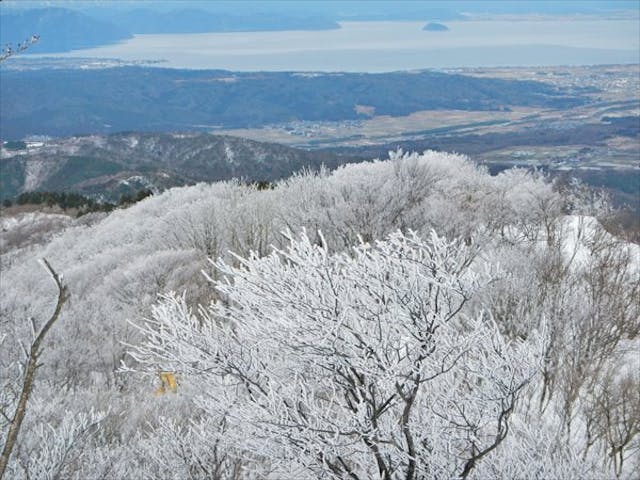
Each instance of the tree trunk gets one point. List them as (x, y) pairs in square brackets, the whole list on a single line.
[(30, 372)]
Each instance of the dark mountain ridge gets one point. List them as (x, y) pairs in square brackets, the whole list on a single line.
[(109, 166)]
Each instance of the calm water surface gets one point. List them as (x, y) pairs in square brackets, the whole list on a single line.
[(389, 46)]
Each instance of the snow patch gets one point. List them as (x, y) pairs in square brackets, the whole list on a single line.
[(229, 154), (580, 232), (30, 228), (18, 221), (35, 172)]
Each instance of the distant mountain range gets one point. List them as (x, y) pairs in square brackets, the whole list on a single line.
[(143, 21), (59, 29), (109, 166), (62, 30)]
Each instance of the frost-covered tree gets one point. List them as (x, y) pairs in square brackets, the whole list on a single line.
[(8, 50), (362, 364)]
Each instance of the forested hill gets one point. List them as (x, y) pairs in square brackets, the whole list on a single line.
[(124, 163), (74, 101), (413, 313)]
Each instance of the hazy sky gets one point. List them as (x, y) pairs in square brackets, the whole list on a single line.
[(390, 9)]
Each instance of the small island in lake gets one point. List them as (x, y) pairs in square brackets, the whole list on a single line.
[(435, 27)]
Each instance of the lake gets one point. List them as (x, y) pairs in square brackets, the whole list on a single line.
[(390, 46)]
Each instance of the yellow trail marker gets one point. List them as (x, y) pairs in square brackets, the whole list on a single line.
[(168, 383)]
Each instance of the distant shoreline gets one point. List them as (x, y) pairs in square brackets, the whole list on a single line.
[(379, 47)]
